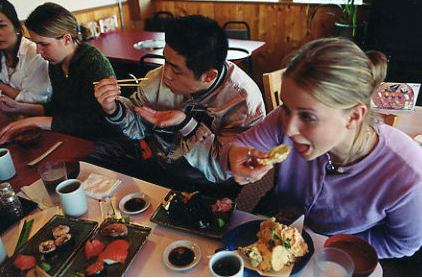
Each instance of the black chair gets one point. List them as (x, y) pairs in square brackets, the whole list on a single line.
[(149, 62), (243, 32)]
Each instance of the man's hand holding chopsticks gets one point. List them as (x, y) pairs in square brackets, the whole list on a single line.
[(106, 92)]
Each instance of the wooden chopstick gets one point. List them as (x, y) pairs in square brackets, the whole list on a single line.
[(126, 80), (131, 85)]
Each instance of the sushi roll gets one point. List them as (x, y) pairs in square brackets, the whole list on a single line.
[(115, 252), (63, 240), (60, 230), (47, 248), (114, 230), (96, 269), (24, 262), (93, 248)]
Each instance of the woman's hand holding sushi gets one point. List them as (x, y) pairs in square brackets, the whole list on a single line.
[(244, 165)]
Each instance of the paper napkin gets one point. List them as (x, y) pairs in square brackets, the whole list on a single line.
[(99, 186), (37, 193)]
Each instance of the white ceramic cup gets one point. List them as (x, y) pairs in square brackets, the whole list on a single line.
[(7, 168), (72, 197), (226, 264)]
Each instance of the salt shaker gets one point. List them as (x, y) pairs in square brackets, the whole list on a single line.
[(4, 187), (11, 206)]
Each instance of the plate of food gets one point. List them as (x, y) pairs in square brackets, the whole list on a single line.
[(268, 246), (51, 248), (110, 251), (195, 213), (182, 255), (150, 44)]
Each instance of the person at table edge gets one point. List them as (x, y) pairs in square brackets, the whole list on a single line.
[(73, 67), (347, 173), (23, 72), (192, 104)]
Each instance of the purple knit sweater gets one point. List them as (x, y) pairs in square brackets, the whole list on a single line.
[(379, 198)]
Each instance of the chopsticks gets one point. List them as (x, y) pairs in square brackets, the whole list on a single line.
[(127, 80)]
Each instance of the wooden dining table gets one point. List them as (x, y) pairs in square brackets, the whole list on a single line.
[(149, 260), (71, 148), (118, 45)]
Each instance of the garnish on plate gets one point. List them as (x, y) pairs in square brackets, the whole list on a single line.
[(24, 235)]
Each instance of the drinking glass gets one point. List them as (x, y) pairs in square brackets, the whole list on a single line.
[(333, 262), (52, 173)]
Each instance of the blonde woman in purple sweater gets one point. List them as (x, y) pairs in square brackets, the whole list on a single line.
[(347, 173)]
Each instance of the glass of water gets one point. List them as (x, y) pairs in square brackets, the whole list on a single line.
[(52, 173), (333, 262)]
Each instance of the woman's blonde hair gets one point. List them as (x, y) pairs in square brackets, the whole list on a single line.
[(53, 21), (340, 75)]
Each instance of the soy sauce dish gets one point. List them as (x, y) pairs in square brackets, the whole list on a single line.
[(182, 255), (134, 203)]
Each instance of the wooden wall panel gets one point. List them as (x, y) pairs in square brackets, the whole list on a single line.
[(95, 14), (283, 26)]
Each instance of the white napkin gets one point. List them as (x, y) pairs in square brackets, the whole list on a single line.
[(37, 193), (99, 186)]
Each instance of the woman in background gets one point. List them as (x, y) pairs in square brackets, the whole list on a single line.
[(346, 173), (23, 72), (73, 67)]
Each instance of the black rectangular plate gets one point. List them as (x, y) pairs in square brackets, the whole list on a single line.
[(136, 237), (80, 229), (161, 217), (27, 205)]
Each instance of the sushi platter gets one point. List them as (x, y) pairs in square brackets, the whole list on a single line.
[(76, 247), (195, 213), (108, 239), (40, 250)]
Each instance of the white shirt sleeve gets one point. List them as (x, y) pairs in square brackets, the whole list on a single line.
[(30, 75)]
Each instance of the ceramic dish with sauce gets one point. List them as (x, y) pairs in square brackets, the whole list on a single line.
[(182, 255), (134, 203)]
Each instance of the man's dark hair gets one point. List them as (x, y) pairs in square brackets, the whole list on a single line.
[(200, 40)]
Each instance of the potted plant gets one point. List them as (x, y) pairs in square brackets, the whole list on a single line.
[(345, 17)]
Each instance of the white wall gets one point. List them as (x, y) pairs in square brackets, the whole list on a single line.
[(25, 7)]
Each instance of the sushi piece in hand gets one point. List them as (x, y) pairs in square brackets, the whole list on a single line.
[(24, 262), (96, 268), (115, 252), (63, 240), (114, 230), (60, 230), (93, 248)]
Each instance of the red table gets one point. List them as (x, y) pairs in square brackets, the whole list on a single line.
[(118, 45), (72, 148)]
